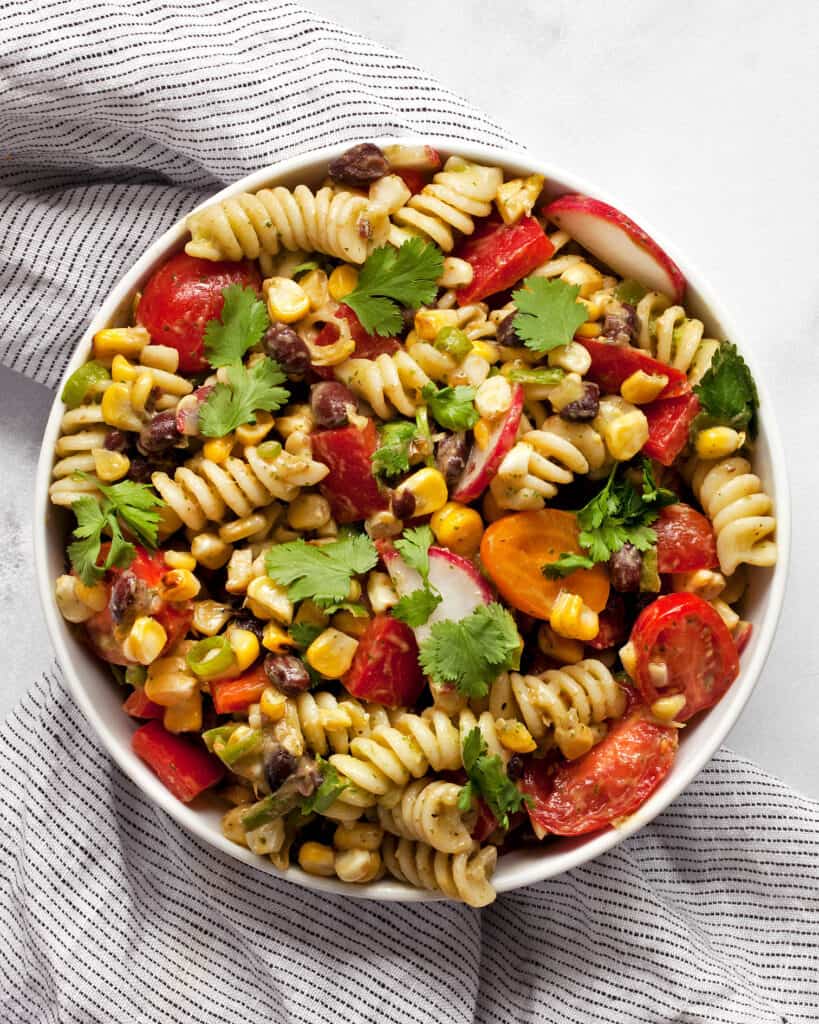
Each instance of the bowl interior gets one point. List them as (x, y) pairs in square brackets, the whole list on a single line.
[(100, 698)]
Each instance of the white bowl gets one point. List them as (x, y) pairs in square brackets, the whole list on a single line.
[(100, 699)]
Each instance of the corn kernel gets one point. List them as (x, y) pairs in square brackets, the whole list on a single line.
[(160, 357), (717, 442), (560, 648), (706, 584), (571, 617), (244, 645), (628, 658), (589, 330), (358, 866), (623, 427), (358, 835), (642, 388), (117, 410), (239, 529), (255, 433), (482, 432), (352, 625), (217, 449), (179, 585), (179, 560), (122, 370), (576, 740), (573, 358), (210, 617), (310, 613), (268, 600), (458, 528), (145, 641), (343, 280), (667, 708), (210, 551), (515, 736), (566, 391), (95, 597), (127, 341), (141, 390), (185, 716), (287, 301), (515, 198), (314, 286), (275, 639), (272, 704), (380, 592), (428, 322), (317, 859), (585, 276), (382, 524), (331, 653), (308, 512), (486, 350), (493, 397), (428, 487)]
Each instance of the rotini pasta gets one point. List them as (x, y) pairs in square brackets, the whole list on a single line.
[(428, 811), (461, 876), (674, 338)]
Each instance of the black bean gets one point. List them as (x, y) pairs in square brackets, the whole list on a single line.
[(159, 434), (287, 673), (403, 504), (140, 470), (123, 593), (286, 347), (514, 769), (359, 166), (585, 408), (407, 319), (620, 325), (328, 403), (451, 457), (279, 765), (625, 568), (251, 624), (116, 441), (506, 334)]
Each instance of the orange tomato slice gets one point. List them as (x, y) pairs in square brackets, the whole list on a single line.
[(515, 548)]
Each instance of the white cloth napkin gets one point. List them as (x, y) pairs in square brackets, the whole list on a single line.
[(115, 119)]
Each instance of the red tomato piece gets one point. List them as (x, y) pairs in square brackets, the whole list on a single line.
[(414, 180), (182, 295), (231, 695), (501, 255), (350, 486), (139, 706), (612, 620), (669, 422), (683, 646), (685, 540), (485, 823), (385, 667), (612, 781), (742, 635), (183, 766), (611, 364)]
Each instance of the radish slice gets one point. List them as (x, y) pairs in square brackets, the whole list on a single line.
[(483, 463), (621, 244)]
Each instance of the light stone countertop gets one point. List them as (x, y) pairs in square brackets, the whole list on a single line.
[(700, 115)]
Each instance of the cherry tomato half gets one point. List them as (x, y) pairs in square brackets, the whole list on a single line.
[(181, 296), (385, 667), (683, 646), (685, 540)]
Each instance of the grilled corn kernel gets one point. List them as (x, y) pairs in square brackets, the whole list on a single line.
[(343, 280), (493, 397), (485, 350), (566, 391), (255, 433), (331, 653), (126, 341), (667, 708), (358, 835), (359, 866), (353, 625), (272, 704), (382, 524), (210, 551), (122, 370), (210, 617), (287, 301), (515, 198), (72, 608), (267, 600), (589, 330), (623, 426), (429, 321), (310, 613), (186, 716), (314, 285), (179, 585), (515, 736), (145, 641), (245, 647), (577, 740), (458, 528), (218, 448), (117, 410), (317, 859), (239, 529), (717, 442), (560, 648), (275, 639), (299, 420), (428, 487), (482, 433), (457, 273), (642, 388), (380, 592), (179, 560), (169, 682), (571, 617), (95, 597), (628, 658), (308, 512), (141, 390), (160, 357), (585, 276), (573, 358)]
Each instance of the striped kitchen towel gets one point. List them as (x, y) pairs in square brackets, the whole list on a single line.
[(114, 119)]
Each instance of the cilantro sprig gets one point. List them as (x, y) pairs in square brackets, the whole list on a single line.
[(391, 278), (488, 779), (240, 326), (249, 389), (473, 652), (616, 515), (126, 504), (415, 608), (548, 313), (727, 393), (323, 573), (392, 456), (452, 407)]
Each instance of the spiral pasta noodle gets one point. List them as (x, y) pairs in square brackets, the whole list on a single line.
[(250, 225), (461, 876), (387, 383), (328, 724), (739, 510), (82, 430), (428, 811), (674, 338)]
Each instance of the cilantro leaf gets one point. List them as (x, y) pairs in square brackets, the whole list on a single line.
[(488, 779), (416, 608), (249, 390), (321, 573), (629, 291), (548, 313), (393, 453), (331, 787), (240, 326), (453, 408), (651, 492), (727, 392), (566, 564), (304, 633), (472, 652), (413, 546), (391, 278)]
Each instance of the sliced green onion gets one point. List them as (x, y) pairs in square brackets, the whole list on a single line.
[(270, 807), (304, 268), (210, 657), (80, 382), (539, 375), (220, 735), (135, 675), (454, 342), (424, 433), (630, 292), (269, 450)]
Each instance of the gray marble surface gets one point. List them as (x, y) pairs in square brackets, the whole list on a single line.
[(702, 116)]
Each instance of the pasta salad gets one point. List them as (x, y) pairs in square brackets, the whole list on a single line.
[(414, 513)]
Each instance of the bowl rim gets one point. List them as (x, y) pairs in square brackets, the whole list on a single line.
[(554, 862)]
